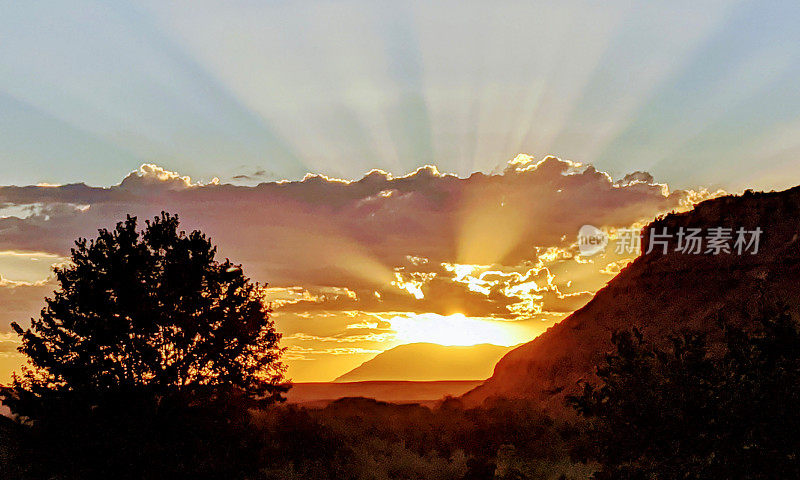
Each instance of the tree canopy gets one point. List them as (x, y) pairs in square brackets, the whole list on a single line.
[(697, 408), (149, 311)]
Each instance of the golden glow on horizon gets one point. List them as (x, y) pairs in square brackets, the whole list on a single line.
[(451, 330)]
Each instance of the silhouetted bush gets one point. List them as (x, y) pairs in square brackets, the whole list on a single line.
[(690, 411)]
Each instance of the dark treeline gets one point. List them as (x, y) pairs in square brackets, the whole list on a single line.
[(367, 439), (351, 438)]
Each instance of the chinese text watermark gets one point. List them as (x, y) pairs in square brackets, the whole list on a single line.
[(684, 240)]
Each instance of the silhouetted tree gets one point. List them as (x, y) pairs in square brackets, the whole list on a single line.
[(149, 310), (144, 362), (699, 410)]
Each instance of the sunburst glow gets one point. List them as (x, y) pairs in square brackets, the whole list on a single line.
[(456, 329)]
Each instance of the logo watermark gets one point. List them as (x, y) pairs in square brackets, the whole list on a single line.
[(684, 240), (591, 240)]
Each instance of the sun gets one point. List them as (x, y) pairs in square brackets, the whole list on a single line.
[(451, 330)]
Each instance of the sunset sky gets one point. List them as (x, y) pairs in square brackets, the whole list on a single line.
[(384, 166)]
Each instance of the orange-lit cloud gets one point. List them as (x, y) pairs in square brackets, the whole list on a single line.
[(359, 266)]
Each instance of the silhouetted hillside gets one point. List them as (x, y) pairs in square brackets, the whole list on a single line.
[(661, 293), (429, 362)]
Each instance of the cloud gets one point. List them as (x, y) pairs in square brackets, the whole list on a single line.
[(19, 301), (369, 235), (344, 257), (150, 176), (636, 177), (252, 174), (9, 342), (302, 353)]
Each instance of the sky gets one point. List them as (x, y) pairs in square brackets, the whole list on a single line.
[(385, 166), (696, 93)]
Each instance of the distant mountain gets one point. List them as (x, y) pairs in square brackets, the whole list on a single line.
[(663, 293), (429, 362)]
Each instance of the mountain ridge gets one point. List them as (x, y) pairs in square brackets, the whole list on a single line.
[(660, 294), (428, 362)]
